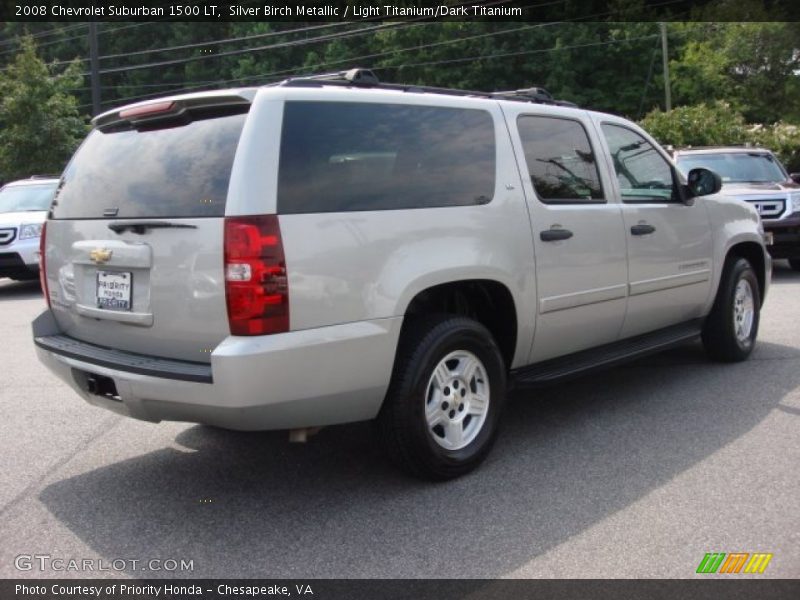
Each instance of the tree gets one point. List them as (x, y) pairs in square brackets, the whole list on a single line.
[(753, 66), (40, 125), (701, 125)]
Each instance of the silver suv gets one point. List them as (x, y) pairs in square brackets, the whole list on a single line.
[(334, 249), (755, 175)]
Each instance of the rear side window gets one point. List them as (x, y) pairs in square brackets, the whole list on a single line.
[(561, 163), (348, 156), (180, 171)]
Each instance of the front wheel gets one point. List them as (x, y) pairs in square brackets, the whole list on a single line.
[(440, 416), (730, 331)]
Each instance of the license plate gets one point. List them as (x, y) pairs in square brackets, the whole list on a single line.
[(114, 290)]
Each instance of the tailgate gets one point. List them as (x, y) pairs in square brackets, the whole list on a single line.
[(134, 246), (160, 293)]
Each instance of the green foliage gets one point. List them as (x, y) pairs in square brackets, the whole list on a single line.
[(699, 125), (723, 73), (40, 125), (753, 66), (783, 139)]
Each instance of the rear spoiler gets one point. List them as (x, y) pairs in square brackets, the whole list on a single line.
[(177, 110)]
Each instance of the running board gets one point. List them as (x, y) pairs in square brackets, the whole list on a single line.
[(603, 357)]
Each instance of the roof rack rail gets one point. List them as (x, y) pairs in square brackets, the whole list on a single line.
[(535, 94), (44, 177), (359, 77)]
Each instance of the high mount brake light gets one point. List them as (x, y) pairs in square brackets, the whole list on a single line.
[(146, 110), (256, 284)]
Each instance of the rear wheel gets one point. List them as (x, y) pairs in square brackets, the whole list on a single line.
[(794, 263), (439, 419), (730, 331)]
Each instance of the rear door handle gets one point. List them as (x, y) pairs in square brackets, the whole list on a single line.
[(554, 235), (642, 229)]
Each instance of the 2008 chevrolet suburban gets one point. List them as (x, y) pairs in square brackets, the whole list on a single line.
[(333, 249)]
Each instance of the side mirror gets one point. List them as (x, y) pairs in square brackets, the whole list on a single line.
[(702, 182), (795, 177)]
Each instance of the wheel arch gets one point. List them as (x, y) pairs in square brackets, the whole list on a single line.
[(754, 253), (487, 301)]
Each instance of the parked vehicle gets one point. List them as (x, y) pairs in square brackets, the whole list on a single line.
[(755, 175), (23, 210), (333, 249)]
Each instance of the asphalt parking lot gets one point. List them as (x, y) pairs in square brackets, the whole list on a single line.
[(635, 472)]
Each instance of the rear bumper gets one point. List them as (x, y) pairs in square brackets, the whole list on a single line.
[(785, 235), (308, 378)]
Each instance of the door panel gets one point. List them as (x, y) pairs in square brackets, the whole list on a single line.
[(669, 241), (579, 246)]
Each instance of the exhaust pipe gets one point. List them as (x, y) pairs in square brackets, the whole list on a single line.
[(300, 436)]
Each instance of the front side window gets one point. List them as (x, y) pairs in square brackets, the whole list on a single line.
[(561, 163), (355, 156), (643, 174)]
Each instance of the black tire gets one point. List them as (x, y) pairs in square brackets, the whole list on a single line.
[(794, 263), (719, 333), (402, 423)]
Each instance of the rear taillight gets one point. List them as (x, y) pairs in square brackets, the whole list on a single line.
[(256, 286), (43, 263)]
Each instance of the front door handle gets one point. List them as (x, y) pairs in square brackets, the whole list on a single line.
[(554, 235), (642, 229)]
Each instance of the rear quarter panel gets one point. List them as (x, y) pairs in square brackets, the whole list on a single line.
[(362, 265)]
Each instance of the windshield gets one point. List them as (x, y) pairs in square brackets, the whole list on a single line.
[(736, 167), (23, 198)]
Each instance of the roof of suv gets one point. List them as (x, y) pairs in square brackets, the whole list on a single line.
[(353, 79)]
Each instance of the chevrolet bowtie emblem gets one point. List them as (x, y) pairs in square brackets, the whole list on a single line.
[(100, 256)]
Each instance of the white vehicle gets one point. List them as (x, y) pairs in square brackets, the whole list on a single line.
[(756, 175), (333, 249), (23, 210)]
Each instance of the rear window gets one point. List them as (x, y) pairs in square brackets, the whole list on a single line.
[(179, 171), (348, 156)]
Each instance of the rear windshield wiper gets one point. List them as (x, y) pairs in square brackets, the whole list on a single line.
[(141, 227)]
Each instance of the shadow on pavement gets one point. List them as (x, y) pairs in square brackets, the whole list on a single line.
[(568, 457), (782, 272), (21, 290)]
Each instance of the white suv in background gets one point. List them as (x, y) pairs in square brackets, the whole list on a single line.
[(23, 210), (333, 249)]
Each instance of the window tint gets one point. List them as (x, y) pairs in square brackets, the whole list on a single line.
[(643, 174), (347, 156), (560, 160), (173, 172)]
